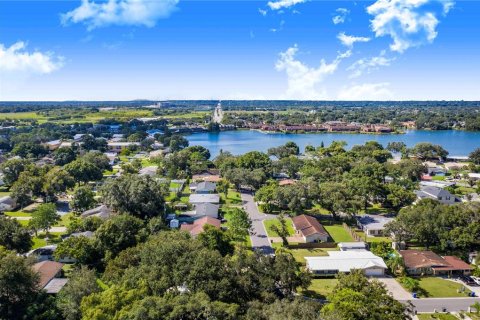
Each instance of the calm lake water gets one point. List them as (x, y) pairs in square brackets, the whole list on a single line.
[(458, 143)]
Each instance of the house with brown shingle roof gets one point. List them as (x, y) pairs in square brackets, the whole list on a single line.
[(197, 227), (309, 229), (424, 262), (50, 273)]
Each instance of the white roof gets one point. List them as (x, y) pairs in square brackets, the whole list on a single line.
[(474, 175), (55, 285), (345, 261)]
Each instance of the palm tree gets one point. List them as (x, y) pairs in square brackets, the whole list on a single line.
[(396, 264)]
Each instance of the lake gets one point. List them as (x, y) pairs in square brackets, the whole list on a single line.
[(458, 143)]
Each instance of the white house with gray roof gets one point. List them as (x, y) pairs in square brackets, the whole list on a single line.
[(373, 225), (435, 193)]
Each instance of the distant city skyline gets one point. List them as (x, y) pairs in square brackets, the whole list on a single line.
[(282, 49)]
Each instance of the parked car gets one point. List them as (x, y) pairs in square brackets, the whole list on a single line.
[(467, 280), (476, 280)]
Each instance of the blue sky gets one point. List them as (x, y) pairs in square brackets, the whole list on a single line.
[(283, 49)]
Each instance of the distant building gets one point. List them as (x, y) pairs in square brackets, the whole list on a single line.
[(102, 211), (203, 187), (345, 262), (7, 203), (309, 229), (204, 210), (119, 146), (148, 171), (54, 144), (217, 114)]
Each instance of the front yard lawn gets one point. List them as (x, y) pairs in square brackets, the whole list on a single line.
[(65, 220), (17, 214), (338, 233), (269, 223), (320, 288), (232, 198), (40, 240), (434, 287), (300, 254)]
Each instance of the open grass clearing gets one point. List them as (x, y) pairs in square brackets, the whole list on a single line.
[(274, 222), (41, 241), (320, 288), (338, 233)]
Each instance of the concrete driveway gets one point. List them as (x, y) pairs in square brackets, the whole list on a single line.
[(392, 286), (258, 235)]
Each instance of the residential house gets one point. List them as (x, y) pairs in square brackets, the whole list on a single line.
[(78, 137), (203, 187), (54, 144), (419, 262), (7, 203), (435, 193), (373, 225), (203, 210), (112, 157), (197, 198), (346, 261), (197, 227), (206, 176), (148, 171), (102, 211), (309, 229), (50, 276)]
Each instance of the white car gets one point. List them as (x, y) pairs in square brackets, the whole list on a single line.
[(476, 280)]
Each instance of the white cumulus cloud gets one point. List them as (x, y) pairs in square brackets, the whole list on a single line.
[(368, 65), (349, 41), (366, 91), (16, 59), (97, 14), (277, 5), (303, 80), (341, 15), (409, 23)]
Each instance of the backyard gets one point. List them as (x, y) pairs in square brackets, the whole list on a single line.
[(338, 233), (320, 288), (274, 222)]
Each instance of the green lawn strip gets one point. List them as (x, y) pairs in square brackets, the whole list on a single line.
[(17, 214), (474, 316), (439, 288), (40, 241), (271, 222), (319, 288), (300, 254), (4, 193), (21, 116), (439, 316), (372, 239), (438, 178), (338, 233)]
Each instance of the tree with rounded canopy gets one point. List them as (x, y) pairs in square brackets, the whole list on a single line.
[(426, 151), (13, 236), (216, 239), (64, 155), (474, 156), (44, 217), (83, 199), (12, 169), (80, 248), (254, 160), (140, 196), (84, 171), (56, 181), (239, 224), (82, 283), (357, 298)]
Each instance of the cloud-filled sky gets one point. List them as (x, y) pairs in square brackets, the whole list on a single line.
[(278, 49)]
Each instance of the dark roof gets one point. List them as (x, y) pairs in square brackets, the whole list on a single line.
[(308, 225), (455, 264)]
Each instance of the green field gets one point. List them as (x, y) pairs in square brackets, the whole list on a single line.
[(338, 233), (269, 223), (320, 288), (21, 116)]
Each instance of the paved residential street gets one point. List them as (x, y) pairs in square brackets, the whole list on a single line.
[(259, 234), (451, 304)]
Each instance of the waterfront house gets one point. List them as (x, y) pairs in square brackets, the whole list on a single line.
[(309, 229)]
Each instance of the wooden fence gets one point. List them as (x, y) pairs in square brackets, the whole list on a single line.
[(352, 232)]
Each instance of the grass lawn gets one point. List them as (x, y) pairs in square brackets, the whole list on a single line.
[(300, 254), (338, 233), (375, 209), (20, 116), (438, 178), (4, 193), (232, 198), (474, 316), (320, 288), (372, 239), (439, 288), (40, 240), (440, 316), (17, 214), (65, 220), (269, 223)]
